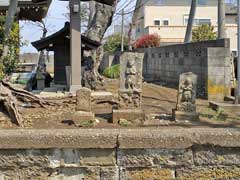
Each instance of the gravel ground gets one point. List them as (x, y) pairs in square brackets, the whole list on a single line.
[(158, 102)]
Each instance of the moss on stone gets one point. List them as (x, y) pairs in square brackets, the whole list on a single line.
[(151, 174), (211, 173)]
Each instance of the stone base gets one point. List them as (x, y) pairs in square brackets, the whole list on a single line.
[(229, 98), (79, 117), (128, 114), (73, 88), (229, 107), (102, 102), (185, 116)]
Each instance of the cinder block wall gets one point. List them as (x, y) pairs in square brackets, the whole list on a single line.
[(210, 60), (113, 154)]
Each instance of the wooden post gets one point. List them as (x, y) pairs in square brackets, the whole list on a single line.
[(75, 45)]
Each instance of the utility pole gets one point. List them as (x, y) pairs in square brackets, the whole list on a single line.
[(122, 32), (221, 19), (191, 17), (238, 60)]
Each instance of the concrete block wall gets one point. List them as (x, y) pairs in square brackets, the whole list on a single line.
[(114, 154), (109, 60), (210, 60)]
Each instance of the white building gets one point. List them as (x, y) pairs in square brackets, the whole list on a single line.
[(168, 18)]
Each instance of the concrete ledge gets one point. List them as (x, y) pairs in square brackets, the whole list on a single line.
[(118, 138), (229, 107), (64, 138)]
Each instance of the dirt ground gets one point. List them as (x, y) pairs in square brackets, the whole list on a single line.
[(158, 102)]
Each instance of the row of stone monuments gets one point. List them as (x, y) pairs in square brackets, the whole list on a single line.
[(129, 106)]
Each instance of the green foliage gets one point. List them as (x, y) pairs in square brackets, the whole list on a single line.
[(87, 124), (13, 43), (124, 123), (113, 43), (112, 72), (220, 115), (203, 33)]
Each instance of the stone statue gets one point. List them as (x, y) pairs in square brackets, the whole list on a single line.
[(186, 103), (130, 99), (130, 88), (186, 98), (131, 75), (186, 91)]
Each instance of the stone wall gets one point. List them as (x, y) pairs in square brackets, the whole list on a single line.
[(109, 60), (210, 60), (139, 154), (33, 58)]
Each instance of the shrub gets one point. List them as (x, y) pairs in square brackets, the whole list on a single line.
[(203, 33), (14, 43), (147, 41), (112, 72), (113, 43)]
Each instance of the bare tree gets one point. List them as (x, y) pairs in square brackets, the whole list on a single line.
[(188, 36)]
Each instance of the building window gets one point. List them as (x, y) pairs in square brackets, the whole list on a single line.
[(198, 21), (202, 21), (165, 22), (202, 2), (157, 22)]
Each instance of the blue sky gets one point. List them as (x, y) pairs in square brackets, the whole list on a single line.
[(56, 20)]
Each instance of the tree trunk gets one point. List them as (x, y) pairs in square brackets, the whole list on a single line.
[(188, 36), (41, 60), (221, 19), (99, 24), (12, 10), (92, 11)]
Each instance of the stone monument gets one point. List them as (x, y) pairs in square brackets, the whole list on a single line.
[(186, 101), (83, 107), (130, 88)]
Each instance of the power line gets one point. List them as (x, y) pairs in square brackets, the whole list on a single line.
[(140, 6), (126, 5)]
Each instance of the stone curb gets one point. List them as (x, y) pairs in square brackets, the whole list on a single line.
[(122, 138), (58, 138)]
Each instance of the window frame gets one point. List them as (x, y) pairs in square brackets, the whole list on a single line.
[(155, 20)]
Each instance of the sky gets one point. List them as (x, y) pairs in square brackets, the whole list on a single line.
[(56, 18)]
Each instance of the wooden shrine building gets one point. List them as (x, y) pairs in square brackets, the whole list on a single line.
[(59, 43)]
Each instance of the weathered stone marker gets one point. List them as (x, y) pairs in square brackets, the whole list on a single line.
[(83, 106), (83, 96), (130, 88), (186, 102)]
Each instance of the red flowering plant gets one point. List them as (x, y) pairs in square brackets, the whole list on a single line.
[(147, 41)]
